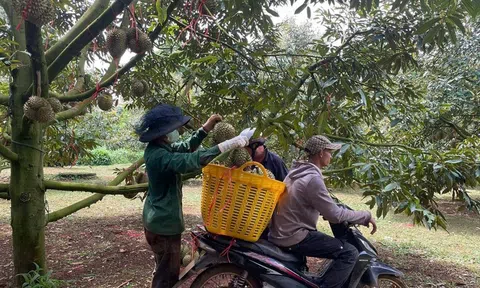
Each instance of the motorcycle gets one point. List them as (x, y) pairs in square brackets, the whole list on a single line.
[(227, 262)]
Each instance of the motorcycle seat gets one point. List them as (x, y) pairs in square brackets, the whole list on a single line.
[(262, 247), (269, 249)]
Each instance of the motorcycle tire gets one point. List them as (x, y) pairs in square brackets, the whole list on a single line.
[(223, 269), (392, 280)]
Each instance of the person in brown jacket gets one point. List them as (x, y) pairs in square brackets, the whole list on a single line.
[(293, 225)]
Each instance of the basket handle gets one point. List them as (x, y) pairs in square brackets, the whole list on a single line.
[(254, 163)]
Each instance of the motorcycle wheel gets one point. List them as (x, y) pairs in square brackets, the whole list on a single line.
[(389, 281), (223, 276)]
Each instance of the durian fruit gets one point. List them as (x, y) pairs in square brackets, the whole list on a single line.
[(138, 41), (240, 156), (140, 88), (105, 101), (38, 109), (55, 103), (223, 131), (186, 260), (141, 178), (38, 12), (259, 172), (117, 42)]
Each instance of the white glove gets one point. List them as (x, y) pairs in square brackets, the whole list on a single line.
[(235, 142)]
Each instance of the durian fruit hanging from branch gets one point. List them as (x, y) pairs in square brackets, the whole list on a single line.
[(38, 12), (38, 109), (56, 104), (138, 41), (140, 88), (117, 42), (105, 101)]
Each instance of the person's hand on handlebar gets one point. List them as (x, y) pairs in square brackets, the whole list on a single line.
[(374, 225)]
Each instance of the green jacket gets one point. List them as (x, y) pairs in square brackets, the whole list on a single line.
[(165, 164)]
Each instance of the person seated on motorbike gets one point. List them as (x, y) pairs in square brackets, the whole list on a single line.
[(293, 225), (271, 161), (165, 160)]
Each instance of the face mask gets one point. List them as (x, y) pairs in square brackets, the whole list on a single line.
[(173, 136)]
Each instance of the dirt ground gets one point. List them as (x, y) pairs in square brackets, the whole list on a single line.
[(109, 250), (112, 252)]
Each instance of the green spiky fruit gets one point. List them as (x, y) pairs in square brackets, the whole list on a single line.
[(186, 260), (138, 41), (38, 12), (139, 88), (240, 156), (259, 172), (117, 42), (38, 109), (105, 102), (223, 131), (56, 104)]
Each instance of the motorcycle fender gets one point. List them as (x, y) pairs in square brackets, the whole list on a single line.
[(377, 269)]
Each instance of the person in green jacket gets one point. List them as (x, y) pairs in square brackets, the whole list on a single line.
[(166, 160)]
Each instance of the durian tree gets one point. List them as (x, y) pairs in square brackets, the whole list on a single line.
[(224, 57)]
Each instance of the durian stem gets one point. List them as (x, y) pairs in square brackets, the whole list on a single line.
[(101, 189), (8, 154), (64, 212)]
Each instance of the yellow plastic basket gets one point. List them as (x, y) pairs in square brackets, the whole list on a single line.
[(236, 203)]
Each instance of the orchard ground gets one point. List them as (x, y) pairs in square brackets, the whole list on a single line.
[(104, 246)]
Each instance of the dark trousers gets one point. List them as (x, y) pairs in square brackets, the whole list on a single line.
[(167, 258), (344, 256)]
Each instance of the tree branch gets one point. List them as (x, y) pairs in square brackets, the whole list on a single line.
[(92, 31), (460, 131), (59, 214), (87, 18), (293, 93), (110, 80), (349, 140), (224, 44), (7, 153), (110, 190)]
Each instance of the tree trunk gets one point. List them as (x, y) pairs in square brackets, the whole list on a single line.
[(27, 194)]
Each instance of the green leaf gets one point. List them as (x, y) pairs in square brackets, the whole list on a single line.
[(161, 12), (343, 149), (431, 34), (273, 12), (451, 32), (458, 22), (454, 161), (390, 187), (328, 83), (301, 8), (427, 25)]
